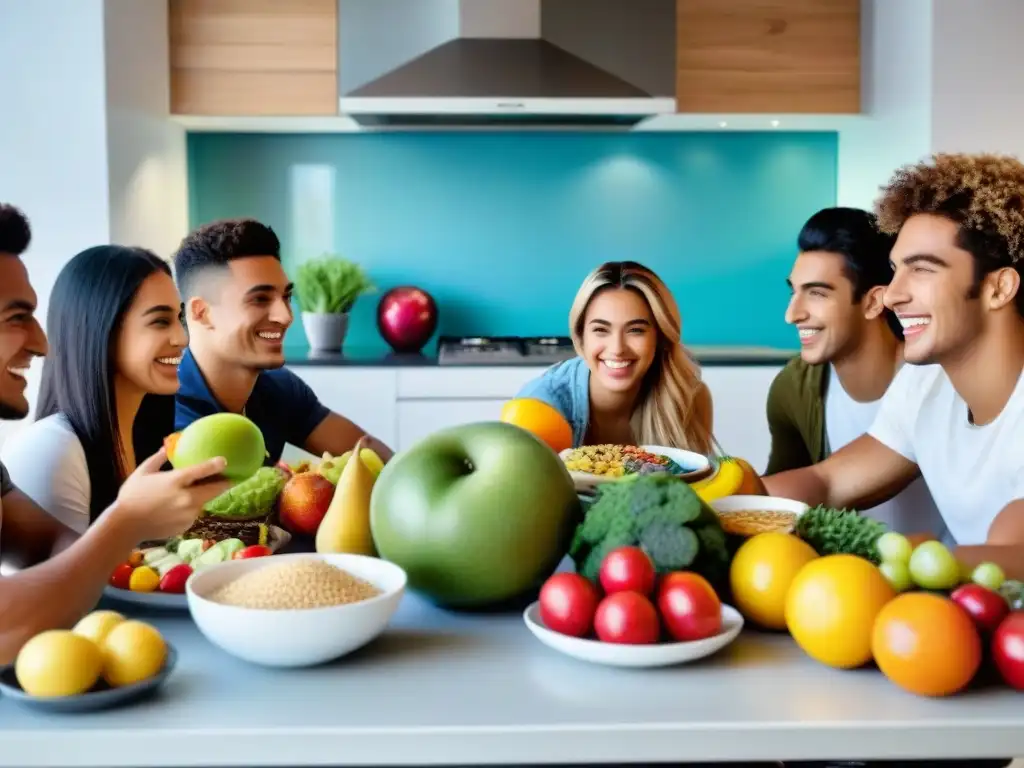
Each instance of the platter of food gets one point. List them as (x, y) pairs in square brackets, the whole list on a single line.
[(592, 465), (632, 615), (155, 575), (105, 660)]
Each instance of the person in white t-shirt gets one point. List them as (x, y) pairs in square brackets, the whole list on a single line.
[(851, 347), (150, 504), (955, 413)]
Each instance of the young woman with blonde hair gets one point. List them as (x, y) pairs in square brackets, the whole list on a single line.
[(632, 381)]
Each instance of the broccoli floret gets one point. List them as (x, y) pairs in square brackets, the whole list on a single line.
[(658, 512)]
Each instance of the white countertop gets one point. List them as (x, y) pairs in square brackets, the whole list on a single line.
[(450, 689)]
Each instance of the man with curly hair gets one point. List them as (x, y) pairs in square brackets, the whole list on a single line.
[(955, 414), (237, 309)]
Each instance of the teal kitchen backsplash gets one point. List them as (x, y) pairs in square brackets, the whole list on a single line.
[(502, 227)]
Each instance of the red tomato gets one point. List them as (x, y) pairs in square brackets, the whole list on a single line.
[(121, 576), (628, 618), (689, 606), (985, 606), (627, 569), (174, 579), (1008, 650), (255, 550), (567, 604)]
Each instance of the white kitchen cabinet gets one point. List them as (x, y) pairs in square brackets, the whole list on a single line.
[(419, 418), (367, 396), (740, 394)]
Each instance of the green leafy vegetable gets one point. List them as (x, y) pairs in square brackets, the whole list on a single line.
[(661, 514), (330, 285), (841, 531), (252, 498)]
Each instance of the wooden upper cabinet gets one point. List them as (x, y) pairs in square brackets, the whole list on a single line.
[(768, 56), (254, 57)]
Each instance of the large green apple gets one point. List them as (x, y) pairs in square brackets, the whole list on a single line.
[(476, 514)]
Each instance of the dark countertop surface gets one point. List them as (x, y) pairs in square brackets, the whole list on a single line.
[(382, 357)]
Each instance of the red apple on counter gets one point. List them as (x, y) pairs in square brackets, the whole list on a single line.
[(985, 606), (1008, 649), (304, 501), (407, 318)]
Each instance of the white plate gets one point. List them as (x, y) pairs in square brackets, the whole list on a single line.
[(696, 465), (167, 601), (618, 655)]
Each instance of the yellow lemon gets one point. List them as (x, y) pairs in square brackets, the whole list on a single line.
[(761, 572), (832, 606), (97, 625), (58, 663), (133, 651)]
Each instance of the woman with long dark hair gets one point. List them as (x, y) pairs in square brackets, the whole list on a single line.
[(107, 395)]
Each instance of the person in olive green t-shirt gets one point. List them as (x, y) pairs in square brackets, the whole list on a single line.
[(851, 348)]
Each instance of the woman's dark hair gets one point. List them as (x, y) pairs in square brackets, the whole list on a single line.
[(87, 306)]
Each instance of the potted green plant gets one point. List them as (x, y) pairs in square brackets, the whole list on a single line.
[(325, 290)]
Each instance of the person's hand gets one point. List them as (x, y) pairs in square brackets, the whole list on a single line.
[(158, 505)]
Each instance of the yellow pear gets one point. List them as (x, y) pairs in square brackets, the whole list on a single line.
[(346, 526)]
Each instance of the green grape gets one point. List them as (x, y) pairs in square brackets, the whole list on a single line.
[(894, 548), (897, 574), (988, 575), (932, 566)]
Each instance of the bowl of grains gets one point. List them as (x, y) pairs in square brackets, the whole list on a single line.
[(747, 516), (295, 610)]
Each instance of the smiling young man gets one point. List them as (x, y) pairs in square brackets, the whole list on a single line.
[(238, 308), (851, 348), (955, 413)]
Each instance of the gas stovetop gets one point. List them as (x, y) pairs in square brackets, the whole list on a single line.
[(491, 350)]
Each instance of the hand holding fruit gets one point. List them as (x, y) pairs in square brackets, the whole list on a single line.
[(158, 505)]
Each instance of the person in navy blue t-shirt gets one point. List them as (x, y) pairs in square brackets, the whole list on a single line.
[(237, 309)]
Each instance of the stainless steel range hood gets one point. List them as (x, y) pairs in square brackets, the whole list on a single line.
[(552, 78), (482, 81)]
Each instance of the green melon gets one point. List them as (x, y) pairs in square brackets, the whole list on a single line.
[(230, 435)]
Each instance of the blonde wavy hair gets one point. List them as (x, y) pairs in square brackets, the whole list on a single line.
[(667, 409)]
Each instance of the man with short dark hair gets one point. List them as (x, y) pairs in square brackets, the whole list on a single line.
[(150, 504), (851, 348), (955, 413), (238, 308)]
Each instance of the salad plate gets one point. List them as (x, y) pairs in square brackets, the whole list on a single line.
[(593, 465)]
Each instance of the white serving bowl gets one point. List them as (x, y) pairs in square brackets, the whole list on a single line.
[(729, 504), (299, 637)]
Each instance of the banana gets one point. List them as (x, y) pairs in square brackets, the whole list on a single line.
[(732, 476)]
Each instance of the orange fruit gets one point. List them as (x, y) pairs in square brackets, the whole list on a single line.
[(926, 644), (541, 419), (831, 609), (170, 442), (760, 574)]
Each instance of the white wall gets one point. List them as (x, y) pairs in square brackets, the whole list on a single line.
[(978, 76), (86, 150)]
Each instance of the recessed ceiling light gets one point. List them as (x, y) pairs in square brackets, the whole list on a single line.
[(723, 124), (775, 123)]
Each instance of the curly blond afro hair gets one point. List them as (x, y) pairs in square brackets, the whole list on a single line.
[(983, 193)]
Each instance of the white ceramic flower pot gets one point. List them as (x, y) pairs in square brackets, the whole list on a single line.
[(325, 331)]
